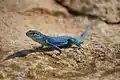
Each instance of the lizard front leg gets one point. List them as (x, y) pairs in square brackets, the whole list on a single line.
[(54, 46)]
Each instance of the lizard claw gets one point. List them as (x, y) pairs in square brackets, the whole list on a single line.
[(63, 51)]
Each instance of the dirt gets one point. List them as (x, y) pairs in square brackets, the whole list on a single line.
[(20, 57)]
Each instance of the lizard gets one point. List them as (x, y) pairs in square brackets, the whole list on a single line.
[(58, 41)]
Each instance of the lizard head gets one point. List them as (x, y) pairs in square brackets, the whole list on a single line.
[(34, 34)]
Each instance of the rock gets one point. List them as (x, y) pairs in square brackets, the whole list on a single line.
[(106, 10), (30, 6)]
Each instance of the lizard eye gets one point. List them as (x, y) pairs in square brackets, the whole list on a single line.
[(37, 34)]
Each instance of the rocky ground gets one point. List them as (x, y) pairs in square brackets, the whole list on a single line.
[(98, 60)]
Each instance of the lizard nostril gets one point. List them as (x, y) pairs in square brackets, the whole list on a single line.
[(26, 33)]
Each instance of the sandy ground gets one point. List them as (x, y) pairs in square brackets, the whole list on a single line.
[(19, 58)]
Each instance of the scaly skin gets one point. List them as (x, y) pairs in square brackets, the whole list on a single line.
[(59, 41)]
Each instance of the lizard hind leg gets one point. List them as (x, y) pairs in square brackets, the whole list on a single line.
[(74, 41)]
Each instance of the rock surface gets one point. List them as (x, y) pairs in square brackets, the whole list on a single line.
[(106, 10), (20, 57)]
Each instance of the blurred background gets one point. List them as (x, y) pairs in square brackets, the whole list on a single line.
[(98, 60)]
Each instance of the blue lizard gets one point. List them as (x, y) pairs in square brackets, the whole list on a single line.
[(59, 41)]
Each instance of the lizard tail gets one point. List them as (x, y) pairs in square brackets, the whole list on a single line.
[(84, 34)]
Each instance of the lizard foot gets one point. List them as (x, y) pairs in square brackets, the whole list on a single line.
[(62, 51)]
